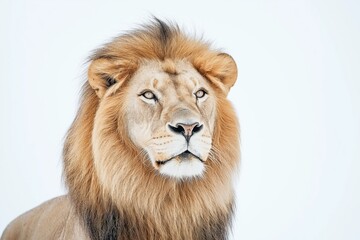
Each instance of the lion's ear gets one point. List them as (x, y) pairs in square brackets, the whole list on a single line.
[(103, 73), (221, 70)]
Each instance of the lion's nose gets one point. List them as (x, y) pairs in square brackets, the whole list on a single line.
[(187, 130)]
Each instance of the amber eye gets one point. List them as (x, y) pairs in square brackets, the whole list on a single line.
[(149, 95), (200, 94)]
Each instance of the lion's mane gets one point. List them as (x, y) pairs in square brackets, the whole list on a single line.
[(131, 201)]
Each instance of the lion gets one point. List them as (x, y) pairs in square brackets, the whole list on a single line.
[(154, 148)]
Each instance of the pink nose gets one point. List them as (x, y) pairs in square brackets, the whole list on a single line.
[(187, 130)]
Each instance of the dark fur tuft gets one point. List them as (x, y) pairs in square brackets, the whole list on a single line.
[(164, 30)]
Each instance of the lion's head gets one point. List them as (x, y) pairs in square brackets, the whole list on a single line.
[(154, 113)]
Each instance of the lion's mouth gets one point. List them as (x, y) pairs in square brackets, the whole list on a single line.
[(184, 156)]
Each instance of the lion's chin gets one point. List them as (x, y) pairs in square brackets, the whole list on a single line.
[(185, 165)]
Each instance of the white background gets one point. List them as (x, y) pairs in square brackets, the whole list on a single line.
[(297, 96)]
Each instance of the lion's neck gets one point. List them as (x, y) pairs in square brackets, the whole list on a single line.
[(172, 220), (152, 207)]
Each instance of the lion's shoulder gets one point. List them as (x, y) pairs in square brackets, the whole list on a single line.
[(50, 220)]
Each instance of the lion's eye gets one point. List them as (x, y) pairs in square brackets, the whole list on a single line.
[(149, 95), (200, 94)]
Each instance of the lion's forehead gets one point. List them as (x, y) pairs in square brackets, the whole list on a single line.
[(181, 79)]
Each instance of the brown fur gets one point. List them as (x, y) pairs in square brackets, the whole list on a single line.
[(130, 200), (151, 206)]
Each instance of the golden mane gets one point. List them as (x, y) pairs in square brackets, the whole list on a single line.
[(135, 203)]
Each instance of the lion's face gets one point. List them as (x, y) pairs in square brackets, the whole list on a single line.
[(170, 115)]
